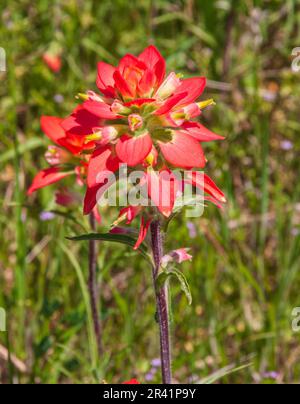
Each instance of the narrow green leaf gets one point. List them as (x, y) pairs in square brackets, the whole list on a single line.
[(68, 216), (161, 279), (115, 238), (219, 374), (86, 299), (183, 283), (99, 50), (30, 144), (174, 272)]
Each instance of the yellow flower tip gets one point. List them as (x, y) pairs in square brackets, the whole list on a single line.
[(82, 96), (179, 75), (119, 220), (135, 121), (93, 136), (223, 199), (150, 159), (52, 150), (206, 103)]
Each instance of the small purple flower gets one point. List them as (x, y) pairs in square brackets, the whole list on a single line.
[(156, 362), (58, 98), (192, 229), (45, 216), (149, 376), (268, 95), (23, 216), (286, 145), (271, 375)]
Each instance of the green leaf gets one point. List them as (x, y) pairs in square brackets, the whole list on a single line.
[(115, 238), (174, 272), (69, 216), (29, 145), (219, 374), (195, 29), (161, 279), (43, 346), (99, 50), (86, 298)]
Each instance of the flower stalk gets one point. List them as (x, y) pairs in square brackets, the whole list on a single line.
[(93, 288), (161, 304)]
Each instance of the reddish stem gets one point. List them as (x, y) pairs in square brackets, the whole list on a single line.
[(161, 304)]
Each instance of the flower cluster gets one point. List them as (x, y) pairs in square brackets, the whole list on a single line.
[(142, 118)]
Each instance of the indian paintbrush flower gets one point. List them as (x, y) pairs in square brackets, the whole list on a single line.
[(142, 118), (147, 121)]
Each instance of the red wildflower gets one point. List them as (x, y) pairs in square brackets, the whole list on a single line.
[(143, 119), (56, 156), (132, 381), (64, 197), (180, 255), (152, 110), (152, 113), (52, 61)]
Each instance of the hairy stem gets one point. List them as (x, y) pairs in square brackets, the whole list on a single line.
[(161, 304), (93, 289)]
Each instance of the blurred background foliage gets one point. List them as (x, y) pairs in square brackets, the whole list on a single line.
[(244, 277)]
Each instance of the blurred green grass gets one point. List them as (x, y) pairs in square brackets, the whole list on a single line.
[(245, 272)]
